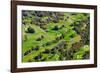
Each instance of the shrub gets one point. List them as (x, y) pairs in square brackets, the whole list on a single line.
[(72, 36), (53, 52), (42, 36), (36, 58), (26, 53), (30, 30), (36, 48), (53, 49), (48, 43), (24, 13), (55, 28), (38, 39), (32, 48), (46, 51), (86, 55)]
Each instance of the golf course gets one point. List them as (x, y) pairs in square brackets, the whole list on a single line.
[(55, 36)]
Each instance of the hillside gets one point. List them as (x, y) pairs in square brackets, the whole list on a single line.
[(55, 36)]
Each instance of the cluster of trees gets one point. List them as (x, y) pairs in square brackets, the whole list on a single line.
[(41, 18), (82, 28), (45, 44), (31, 50), (51, 52)]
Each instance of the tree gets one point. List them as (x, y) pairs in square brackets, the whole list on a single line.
[(30, 30), (55, 27), (46, 51)]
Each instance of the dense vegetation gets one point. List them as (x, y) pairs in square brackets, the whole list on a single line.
[(55, 36)]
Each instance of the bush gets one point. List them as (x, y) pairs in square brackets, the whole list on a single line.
[(26, 53), (36, 48), (48, 43), (72, 36), (24, 13), (39, 39), (30, 30), (46, 51), (36, 58), (55, 28)]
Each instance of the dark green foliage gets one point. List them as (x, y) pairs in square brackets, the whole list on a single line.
[(48, 43), (55, 28), (36, 48), (46, 51), (30, 30), (26, 53), (86, 55), (36, 58)]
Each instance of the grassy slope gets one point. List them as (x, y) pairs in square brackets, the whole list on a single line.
[(49, 36)]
